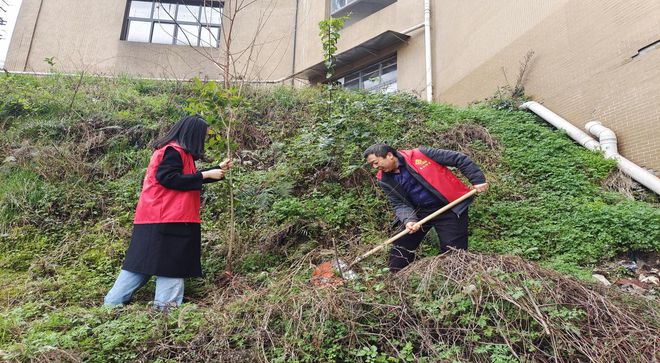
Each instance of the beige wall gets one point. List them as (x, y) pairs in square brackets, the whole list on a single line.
[(92, 42), (397, 17), (582, 68)]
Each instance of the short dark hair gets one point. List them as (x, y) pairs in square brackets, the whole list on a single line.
[(380, 150), (189, 133)]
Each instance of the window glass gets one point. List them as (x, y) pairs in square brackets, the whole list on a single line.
[(352, 77), (380, 76), (139, 31), (174, 22), (163, 33), (390, 88), (188, 13), (371, 77), (338, 4), (352, 84), (209, 37), (390, 62), (358, 9), (164, 11), (389, 76), (187, 34), (140, 9), (210, 15)]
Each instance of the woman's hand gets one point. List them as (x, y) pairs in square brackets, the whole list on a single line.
[(226, 164), (215, 174)]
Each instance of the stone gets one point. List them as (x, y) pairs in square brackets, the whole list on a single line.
[(601, 279), (650, 279)]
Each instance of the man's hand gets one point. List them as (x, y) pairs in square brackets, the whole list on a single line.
[(226, 164), (412, 227), (216, 174), (480, 188)]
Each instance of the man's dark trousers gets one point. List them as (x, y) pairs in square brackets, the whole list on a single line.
[(452, 231)]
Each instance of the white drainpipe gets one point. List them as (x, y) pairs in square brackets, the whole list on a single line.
[(607, 139), (607, 144), (558, 122), (427, 48)]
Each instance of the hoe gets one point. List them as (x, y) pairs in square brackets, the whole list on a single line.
[(325, 273)]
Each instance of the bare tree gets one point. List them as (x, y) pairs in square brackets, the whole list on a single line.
[(234, 61), (235, 58)]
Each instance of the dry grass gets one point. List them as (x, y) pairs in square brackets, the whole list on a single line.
[(464, 300)]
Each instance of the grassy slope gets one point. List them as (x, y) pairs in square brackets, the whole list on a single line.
[(75, 154)]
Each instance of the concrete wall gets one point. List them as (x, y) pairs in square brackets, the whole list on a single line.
[(92, 42)]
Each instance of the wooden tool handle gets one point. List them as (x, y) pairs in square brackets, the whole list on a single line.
[(405, 231)]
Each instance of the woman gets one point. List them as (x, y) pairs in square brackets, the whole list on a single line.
[(166, 239)]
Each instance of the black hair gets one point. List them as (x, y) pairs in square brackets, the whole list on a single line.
[(189, 133), (380, 150)]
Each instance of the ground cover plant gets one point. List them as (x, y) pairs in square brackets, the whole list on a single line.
[(74, 150)]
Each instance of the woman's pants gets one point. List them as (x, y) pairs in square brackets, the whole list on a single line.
[(169, 290)]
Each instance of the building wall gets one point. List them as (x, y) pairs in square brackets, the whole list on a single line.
[(398, 17), (582, 67), (92, 42)]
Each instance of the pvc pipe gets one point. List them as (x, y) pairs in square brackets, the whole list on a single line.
[(607, 139), (608, 145), (413, 28), (427, 49), (558, 122), (605, 136)]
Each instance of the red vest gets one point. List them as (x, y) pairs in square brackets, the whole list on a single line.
[(438, 176), (158, 204)]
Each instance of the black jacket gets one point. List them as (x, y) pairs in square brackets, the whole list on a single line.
[(404, 209)]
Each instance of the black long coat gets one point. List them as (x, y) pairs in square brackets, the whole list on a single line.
[(168, 249)]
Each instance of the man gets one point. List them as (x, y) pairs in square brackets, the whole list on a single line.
[(417, 183)]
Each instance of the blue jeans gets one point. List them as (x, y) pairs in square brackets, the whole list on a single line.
[(169, 290)]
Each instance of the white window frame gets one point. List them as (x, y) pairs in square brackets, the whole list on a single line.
[(195, 40), (380, 86)]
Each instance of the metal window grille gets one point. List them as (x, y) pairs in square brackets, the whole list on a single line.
[(380, 76)]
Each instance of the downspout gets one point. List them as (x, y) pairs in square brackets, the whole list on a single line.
[(34, 30), (295, 42), (558, 122), (427, 50), (607, 139), (607, 145)]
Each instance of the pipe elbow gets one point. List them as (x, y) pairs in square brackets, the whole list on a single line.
[(606, 136)]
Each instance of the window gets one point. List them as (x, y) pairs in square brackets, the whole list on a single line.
[(337, 5), (380, 76), (358, 9), (181, 22)]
